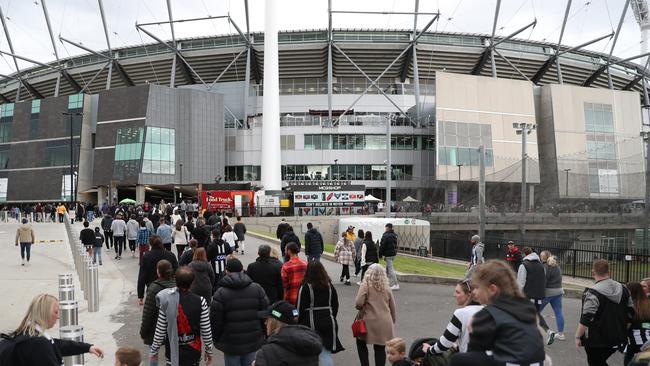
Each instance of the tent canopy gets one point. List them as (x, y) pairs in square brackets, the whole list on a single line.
[(409, 199), (371, 198)]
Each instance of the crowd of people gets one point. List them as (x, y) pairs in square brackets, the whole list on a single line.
[(197, 295)]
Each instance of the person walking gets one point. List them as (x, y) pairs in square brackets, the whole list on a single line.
[(350, 233), (513, 256), (293, 271), (357, 249), (60, 211), (87, 238), (132, 228), (639, 332), (531, 279), (240, 230), (147, 272), (554, 292), (218, 252), (164, 272), (369, 254), (234, 311), (25, 238), (97, 246), (202, 234), (318, 305), (288, 343), (282, 228), (183, 323), (118, 227), (457, 332), (505, 331), (34, 346), (180, 237), (143, 240), (289, 237), (187, 255), (607, 310), (229, 237), (477, 256), (106, 223), (164, 231), (204, 280), (267, 272), (313, 243), (345, 255), (376, 307), (388, 250)]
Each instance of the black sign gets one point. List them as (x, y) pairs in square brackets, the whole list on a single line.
[(302, 183)]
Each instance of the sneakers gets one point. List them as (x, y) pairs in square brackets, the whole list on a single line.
[(22, 264), (117, 256), (358, 283), (242, 252), (347, 283), (100, 263), (560, 337), (551, 337), (395, 287), (342, 279)]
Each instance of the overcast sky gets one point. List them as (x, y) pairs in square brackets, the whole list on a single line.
[(79, 20)]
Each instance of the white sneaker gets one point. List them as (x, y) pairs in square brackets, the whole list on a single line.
[(395, 287), (560, 337), (23, 263), (358, 283), (551, 337)]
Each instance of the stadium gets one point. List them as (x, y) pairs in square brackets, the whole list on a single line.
[(176, 115)]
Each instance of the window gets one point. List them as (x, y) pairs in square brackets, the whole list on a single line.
[(159, 151), (4, 157), (75, 101), (36, 106), (5, 132), (246, 173), (6, 112), (599, 117), (57, 153), (4, 182), (288, 142), (459, 143), (128, 151)]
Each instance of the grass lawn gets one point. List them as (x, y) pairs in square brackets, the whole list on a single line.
[(411, 265)]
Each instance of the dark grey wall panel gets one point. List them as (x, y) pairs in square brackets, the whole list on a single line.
[(122, 103), (35, 185)]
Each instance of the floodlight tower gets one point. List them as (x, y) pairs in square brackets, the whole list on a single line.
[(640, 9)]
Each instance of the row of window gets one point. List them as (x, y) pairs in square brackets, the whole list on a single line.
[(155, 146), (321, 172), (368, 142), (460, 134), (599, 117), (466, 156)]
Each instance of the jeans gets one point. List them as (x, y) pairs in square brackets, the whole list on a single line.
[(598, 356), (538, 306), (119, 245), (237, 360), (390, 271), (325, 358), (357, 265), (167, 246), (362, 350), (345, 272), (556, 304), (25, 247), (90, 216), (97, 254), (108, 235)]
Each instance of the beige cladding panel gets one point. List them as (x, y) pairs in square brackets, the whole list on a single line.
[(499, 103)]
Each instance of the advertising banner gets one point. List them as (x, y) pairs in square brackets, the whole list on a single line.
[(328, 196)]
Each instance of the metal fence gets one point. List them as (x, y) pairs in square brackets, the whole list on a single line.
[(626, 263)]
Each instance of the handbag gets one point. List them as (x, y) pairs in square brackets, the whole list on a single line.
[(359, 326)]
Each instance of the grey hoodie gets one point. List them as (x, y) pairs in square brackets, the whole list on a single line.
[(477, 258), (609, 288), (167, 301), (522, 274)]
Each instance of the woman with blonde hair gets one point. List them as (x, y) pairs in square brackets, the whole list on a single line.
[(34, 346), (376, 307), (506, 327), (554, 291)]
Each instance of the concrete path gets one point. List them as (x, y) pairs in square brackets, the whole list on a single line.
[(422, 309)]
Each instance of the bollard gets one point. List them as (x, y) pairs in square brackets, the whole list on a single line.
[(73, 333), (69, 312), (66, 292), (93, 291), (86, 269), (65, 279)]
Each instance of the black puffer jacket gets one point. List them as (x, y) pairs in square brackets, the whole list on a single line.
[(388, 244), (147, 273), (291, 345), (42, 352), (202, 236), (236, 329), (265, 272), (203, 279), (150, 310), (313, 242), (289, 237)]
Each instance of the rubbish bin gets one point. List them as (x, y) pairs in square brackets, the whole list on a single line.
[(73, 333), (423, 251), (69, 312)]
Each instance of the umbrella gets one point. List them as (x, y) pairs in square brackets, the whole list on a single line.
[(409, 199), (371, 198), (127, 201)]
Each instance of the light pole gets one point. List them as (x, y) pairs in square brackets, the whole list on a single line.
[(181, 188), (566, 190), (523, 129), (72, 185), (336, 168), (389, 164), (458, 185)]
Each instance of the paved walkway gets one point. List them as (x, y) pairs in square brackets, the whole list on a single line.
[(422, 309)]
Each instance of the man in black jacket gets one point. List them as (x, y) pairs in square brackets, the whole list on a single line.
[(108, 233), (217, 252), (388, 249), (266, 273), (236, 329), (289, 237), (531, 278), (147, 273), (313, 243), (282, 228), (87, 237)]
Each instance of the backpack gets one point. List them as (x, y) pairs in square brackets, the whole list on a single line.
[(7, 345)]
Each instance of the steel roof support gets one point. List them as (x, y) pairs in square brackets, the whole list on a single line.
[(126, 79), (78, 45), (108, 43), (414, 55), (606, 66), (494, 28), (11, 48), (56, 52), (183, 20), (172, 77), (187, 74), (330, 70), (226, 68), (255, 67), (73, 83), (559, 43), (547, 65), (511, 64), (247, 74), (611, 50), (488, 52), (87, 84)]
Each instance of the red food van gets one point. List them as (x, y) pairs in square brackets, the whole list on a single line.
[(236, 202)]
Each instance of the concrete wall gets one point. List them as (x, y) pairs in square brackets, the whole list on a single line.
[(327, 225), (498, 103)]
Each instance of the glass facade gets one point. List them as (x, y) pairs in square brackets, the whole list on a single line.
[(601, 148), (57, 153), (34, 119), (241, 173), (368, 142), (75, 101), (345, 172), (151, 150), (459, 142), (4, 156), (6, 121), (4, 182)]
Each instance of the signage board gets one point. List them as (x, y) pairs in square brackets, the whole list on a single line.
[(326, 196)]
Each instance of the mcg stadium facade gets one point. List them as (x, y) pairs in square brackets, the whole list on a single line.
[(133, 128)]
